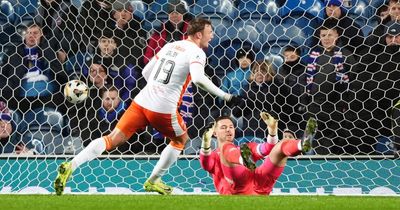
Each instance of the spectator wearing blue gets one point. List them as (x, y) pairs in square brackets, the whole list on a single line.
[(235, 81), (119, 73), (329, 75), (58, 20), (103, 119), (33, 74), (352, 36), (112, 106), (6, 126), (80, 117)]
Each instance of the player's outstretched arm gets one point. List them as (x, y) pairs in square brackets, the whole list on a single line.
[(271, 122), (202, 81)]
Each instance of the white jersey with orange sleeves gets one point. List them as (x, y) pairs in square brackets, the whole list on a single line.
[(170, 76)]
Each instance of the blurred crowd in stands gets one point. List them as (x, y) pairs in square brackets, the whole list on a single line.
[(335, 60)]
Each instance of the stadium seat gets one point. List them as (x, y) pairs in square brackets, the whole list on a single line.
[(4, 53), (77, 3), (360, 12), (139, 8), (220, 12), (7, 13), (306, 15), (256, 9), (221, 8), (285, 34), (41, 130), (375, 3), (190, 2), (247, 31), (372, 23), (221, 56), (25, 10)]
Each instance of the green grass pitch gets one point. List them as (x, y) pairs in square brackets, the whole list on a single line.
[(193, 202)]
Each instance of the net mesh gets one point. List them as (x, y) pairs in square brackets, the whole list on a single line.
[(295, 71)]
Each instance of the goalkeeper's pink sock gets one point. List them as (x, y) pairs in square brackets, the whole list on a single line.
[(259, 151), (291, 147), (93, 150)]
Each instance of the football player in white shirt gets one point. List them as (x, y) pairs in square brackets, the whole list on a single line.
[(167, 75)]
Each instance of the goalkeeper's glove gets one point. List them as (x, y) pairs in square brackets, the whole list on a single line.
[(206, 140), (234, 100), (271, 122)]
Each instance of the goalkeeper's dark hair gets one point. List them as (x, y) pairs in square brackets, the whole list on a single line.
[(197, 25), (223, 117)]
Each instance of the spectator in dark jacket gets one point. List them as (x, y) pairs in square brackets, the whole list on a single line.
[(128, 29), (329, 75), (377, 35), (380, 85), (33, 75), (292, 83), (351, 34), (172, 30), (93, 18), (58, 20)]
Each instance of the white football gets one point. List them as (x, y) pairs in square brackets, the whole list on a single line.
[(76, 91)]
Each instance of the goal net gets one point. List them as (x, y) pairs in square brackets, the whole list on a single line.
[(337, 61)]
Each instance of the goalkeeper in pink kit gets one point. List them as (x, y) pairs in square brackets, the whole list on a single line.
[(233, 168)]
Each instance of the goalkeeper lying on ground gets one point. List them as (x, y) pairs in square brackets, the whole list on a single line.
[(233, 169)]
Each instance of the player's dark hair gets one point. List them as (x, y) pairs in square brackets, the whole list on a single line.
[(197, 25)]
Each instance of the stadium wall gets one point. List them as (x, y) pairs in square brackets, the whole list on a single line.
[(125, 176)]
